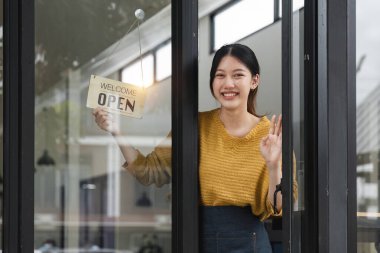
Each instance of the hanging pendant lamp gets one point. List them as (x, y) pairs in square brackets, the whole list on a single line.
[(45, 159)]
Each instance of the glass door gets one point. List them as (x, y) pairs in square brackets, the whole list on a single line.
[(89, 195), (259, 27)]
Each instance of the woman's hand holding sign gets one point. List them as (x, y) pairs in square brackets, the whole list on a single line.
[(106, 121)]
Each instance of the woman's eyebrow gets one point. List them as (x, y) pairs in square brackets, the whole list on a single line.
[(235, 70)]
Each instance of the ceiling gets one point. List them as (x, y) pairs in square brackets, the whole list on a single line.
[(69, 33)]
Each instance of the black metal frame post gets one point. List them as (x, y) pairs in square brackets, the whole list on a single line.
[(276, 10), (351, 125), (185, 126), (287, 145), (336, 126), (18, 218), (322, 139), (309, 219)]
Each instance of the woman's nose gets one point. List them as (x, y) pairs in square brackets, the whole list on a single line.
[(229, 82)]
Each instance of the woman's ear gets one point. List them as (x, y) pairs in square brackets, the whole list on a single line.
[(255, 81)]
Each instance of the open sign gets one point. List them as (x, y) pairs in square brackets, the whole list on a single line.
[(126, 99)]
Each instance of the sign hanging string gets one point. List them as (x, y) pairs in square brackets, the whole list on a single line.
[(139, 14), (141, 60)]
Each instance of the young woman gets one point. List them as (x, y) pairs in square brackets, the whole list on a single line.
[(240, 158)]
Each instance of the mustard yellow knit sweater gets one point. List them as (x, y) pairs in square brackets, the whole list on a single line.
[(232, 170)]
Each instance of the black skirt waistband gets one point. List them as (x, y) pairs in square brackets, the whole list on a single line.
[(221, 219)]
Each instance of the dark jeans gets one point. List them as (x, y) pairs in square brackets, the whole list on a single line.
[(232, 229)]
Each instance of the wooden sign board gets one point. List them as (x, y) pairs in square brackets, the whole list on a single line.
[(115, 96)]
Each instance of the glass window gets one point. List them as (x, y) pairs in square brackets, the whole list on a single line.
[(164, 62), (85, 199), (367, 125), (132, 73), (241, 19)]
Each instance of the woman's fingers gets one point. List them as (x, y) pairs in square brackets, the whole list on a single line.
[(272, 124), (103, 118), (265, 139), (275, 126), (97, 111), (278, 128)]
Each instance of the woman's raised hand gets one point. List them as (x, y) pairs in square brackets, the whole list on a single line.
[(106, 121), (271, 145)]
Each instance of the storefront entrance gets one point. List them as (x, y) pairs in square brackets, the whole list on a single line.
[(64, 182)]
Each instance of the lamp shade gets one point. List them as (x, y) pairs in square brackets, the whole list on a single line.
[(45, 159)]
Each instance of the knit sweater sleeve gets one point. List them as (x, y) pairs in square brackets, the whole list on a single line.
[(154, 168)]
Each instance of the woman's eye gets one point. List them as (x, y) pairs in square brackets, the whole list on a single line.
[(219, 75), (238, 75)]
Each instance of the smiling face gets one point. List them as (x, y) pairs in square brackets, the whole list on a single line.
[(232, 83)]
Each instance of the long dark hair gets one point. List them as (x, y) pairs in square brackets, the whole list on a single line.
[(246, 56)]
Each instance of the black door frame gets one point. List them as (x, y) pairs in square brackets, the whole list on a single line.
[(185, 125), (18, 212), (336, 125), (309, 217), (329, 218), (287, 130)]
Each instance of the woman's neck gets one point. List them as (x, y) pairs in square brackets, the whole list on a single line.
[(237, 123)]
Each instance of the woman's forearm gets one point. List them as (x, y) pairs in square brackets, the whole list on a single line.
[(275, 175), (130, 153)]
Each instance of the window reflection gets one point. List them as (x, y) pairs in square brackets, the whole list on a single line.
[(367, 126), (164, 62), (133, 74)]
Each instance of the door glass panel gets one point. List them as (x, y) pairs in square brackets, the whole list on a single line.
[(85, 201), (367, 125), (298, 121)]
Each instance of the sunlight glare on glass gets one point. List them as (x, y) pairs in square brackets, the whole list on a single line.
[(164, 62), (132, 73), (242, 19)]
